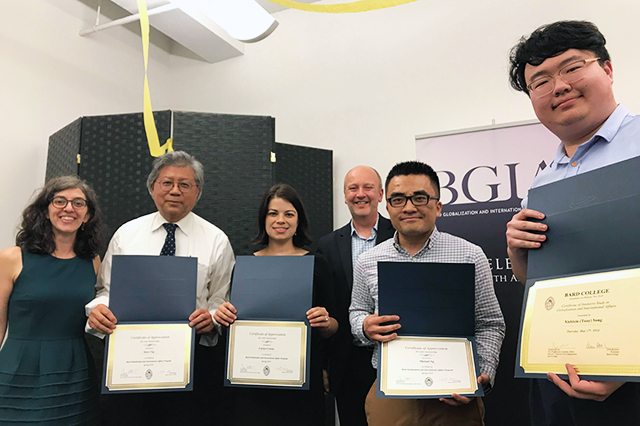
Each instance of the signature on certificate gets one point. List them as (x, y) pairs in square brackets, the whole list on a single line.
[(599, 345)]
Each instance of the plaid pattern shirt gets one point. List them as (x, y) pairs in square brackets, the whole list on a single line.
[(439, 248)]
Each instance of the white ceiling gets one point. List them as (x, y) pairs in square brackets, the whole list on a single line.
[(195, 31), (272, 7)]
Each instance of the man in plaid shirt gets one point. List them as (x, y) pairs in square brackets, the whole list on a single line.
[(413, 191)]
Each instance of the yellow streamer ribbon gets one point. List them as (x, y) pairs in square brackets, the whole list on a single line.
[(149, 123), (356, 6)]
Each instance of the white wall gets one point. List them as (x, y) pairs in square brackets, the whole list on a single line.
[(361, 84), (365, 84), (51, 76)]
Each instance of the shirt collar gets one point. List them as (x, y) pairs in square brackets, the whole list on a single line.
[(185, 224), (375, 227), (428, 245), (613, 123), (605, 133)]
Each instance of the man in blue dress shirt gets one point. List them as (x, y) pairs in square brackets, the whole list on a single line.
[(566, 71)]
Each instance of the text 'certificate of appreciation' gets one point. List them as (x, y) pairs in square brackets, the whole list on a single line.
[(270, 353), (589, 321), (149, 356), (427, 367)]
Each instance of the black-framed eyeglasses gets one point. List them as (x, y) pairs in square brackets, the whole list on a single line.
[(76, 203), (167, 185), (416, 200), (570, 73)]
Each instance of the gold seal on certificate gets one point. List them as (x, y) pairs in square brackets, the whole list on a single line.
[(148, 356), (589, 321), (269, 353), (415, 367)]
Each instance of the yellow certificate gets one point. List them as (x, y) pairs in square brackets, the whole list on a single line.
[(148, 357), (589, 321)]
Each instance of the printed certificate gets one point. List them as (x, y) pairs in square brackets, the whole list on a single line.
[(415, 367), (589, 321), (267, 353), (148, 356)]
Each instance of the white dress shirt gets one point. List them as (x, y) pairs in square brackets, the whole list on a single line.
[(195, 237)]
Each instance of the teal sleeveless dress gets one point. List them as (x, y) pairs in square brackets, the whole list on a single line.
[(47, 376)]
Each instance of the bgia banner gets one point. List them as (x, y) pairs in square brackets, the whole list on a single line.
[(484, 175)]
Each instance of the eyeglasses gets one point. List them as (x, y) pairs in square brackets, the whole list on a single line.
[(167, 185), (416, 200), (61, 203), (570, 73)]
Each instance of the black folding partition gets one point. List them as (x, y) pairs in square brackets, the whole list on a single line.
[(115, 160), (239, 154), (64, 147), (235, 151), (240, 157), (309, 170)]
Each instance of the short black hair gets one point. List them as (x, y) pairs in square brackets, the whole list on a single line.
[(413, 168), (287, 193), (551, 40)]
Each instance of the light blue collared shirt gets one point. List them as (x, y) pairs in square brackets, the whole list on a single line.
[(617, 140), (360, 244)]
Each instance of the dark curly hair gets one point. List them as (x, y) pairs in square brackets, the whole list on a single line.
[(551, 40), (36, 232), (287, 193)]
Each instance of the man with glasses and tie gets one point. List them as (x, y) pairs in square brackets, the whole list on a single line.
[(413, 204), (566, 71), (175, 184)]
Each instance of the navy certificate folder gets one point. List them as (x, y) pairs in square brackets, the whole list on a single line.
[(273, 288), (592, 219), (153, 289), (431, 299)]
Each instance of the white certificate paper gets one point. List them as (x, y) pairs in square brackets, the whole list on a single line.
[(267, 353), (415, 366), (149, 356)]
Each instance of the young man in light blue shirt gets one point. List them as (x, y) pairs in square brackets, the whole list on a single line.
[(566, 71)]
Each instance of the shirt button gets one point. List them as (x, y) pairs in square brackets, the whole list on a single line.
[(574, 164), (413, 259)]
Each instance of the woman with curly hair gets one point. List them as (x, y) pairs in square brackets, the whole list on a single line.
[(46, 372)]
